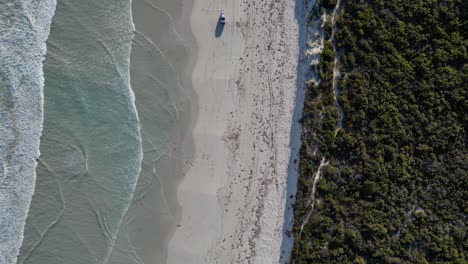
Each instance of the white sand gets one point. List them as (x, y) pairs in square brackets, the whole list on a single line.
[(233, 196)]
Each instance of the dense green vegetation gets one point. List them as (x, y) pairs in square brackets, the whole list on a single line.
[(396, 187)]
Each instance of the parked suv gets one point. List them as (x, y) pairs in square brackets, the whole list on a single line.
[(223, 17)]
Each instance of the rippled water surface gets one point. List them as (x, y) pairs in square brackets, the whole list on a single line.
[(90, 146)]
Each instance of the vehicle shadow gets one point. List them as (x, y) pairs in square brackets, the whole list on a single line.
[(219, 28)]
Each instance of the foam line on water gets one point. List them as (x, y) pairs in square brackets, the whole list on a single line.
[(135, 112)]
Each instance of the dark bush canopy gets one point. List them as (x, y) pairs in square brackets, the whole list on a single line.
[(396, 187)]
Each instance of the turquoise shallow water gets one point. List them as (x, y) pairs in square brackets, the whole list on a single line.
[(90, 146)]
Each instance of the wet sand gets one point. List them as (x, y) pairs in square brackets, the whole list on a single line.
[(162, 57)]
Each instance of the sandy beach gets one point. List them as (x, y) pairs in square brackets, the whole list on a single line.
[(233, 194)]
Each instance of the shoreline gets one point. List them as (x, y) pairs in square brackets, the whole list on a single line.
[(161, 64), (233, 194)]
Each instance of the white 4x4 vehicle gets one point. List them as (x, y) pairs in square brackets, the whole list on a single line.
[(222, 17)]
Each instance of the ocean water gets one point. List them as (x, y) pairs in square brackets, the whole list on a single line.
[(91, 144), (24, 27)]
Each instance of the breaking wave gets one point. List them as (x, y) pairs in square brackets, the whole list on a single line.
[(24, 28)]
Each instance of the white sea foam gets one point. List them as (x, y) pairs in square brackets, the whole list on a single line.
[(24, 28)]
